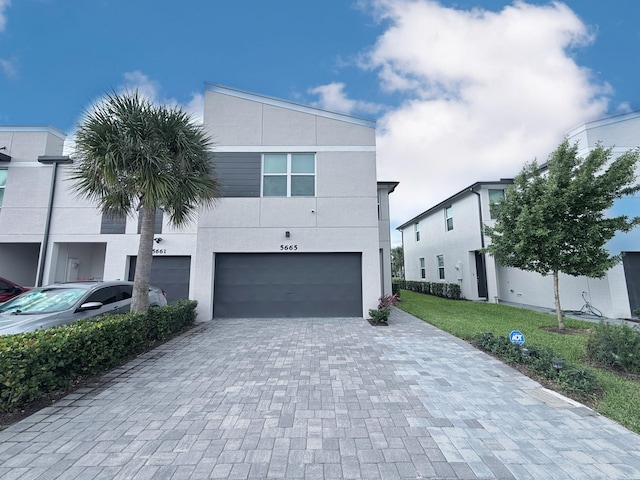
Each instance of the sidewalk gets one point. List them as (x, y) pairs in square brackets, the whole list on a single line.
[(317, 399)]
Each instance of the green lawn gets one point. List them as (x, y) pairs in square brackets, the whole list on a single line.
[(621, 398)]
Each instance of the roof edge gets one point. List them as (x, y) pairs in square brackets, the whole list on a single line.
[(278, 102), (470, 188)]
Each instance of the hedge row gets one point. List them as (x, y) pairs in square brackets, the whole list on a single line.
[(578, 381), (439, 289), (33, 364)]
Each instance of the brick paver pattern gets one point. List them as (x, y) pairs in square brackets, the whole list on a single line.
[(317, 399)]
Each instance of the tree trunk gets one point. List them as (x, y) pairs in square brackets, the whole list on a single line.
[(556, 294), (141, 280)]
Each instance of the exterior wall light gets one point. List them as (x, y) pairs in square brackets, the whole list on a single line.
[(287, 234), (157, 240)]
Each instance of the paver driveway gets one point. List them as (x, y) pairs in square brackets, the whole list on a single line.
[(317, 398)]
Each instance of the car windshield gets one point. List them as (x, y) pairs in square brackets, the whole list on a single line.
[(45, 300)]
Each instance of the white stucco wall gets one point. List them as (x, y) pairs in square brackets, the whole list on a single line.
[(341, 217)]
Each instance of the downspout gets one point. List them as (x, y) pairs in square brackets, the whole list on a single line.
[(48, 160), (479, 217)]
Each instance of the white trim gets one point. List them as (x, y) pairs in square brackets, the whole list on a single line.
[(290, 149), (54, 131)]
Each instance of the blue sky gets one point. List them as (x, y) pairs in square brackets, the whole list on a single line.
[(462, 91)]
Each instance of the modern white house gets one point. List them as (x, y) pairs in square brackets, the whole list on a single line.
[(302, 228), (445, 242)]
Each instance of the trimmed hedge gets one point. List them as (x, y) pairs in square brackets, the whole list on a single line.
[(439, 289), (33, 364)]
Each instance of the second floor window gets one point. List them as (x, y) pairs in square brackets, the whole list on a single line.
[(448, 215), (495, 197), (418, 233), (289, 175)]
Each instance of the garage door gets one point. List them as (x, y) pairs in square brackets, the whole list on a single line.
[(171, 274), (269, 285)]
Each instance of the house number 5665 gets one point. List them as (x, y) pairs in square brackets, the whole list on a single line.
[(289, 248)]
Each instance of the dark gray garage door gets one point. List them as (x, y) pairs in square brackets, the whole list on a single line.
[(269, 285), (631, 263), (171, 274)]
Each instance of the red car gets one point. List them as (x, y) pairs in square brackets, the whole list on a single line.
[(8, 289)]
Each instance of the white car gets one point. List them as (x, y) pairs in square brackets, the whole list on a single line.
[(64, 303)]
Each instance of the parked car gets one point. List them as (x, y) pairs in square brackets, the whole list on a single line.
[(64, 303), (9, 289)]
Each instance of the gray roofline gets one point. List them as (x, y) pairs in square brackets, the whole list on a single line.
[(603, 121), (392, 185), (365, 122), (470, 188), (49, 129)]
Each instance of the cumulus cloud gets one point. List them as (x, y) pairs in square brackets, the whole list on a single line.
[(8, 68), (334, 98), (483, 93), (138, 81), (4, 4)]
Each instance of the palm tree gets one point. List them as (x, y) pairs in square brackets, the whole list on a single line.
[(131, 155)]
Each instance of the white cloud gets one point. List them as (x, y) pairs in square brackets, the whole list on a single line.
[(485, 92), (145, 87), (8, 68), (4, 4), (334, 98)]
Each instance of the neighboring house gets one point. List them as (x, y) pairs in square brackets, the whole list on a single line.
[(299, 230), (444, 243)]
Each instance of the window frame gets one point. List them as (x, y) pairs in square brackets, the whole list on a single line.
[(423, 269), (493, 214), (440, 264), (417, 230), (289, 174), (448, 218)]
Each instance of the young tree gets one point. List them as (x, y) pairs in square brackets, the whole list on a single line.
[(397, 262), (556, 221), (131, 155)]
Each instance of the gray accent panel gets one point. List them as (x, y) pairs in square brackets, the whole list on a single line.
[(631, 263), (271, 285), (171, 274), (113, 225), (238, 173), (157, 226)]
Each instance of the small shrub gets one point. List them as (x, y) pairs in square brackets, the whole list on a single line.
[(387, 301), (380, 315), (579, 381), (615, 346)]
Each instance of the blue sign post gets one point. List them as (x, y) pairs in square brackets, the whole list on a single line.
[(516, 336)]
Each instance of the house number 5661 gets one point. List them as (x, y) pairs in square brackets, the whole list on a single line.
[(289, 248)]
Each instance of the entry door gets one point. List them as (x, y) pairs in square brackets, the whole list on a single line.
[(631, 263), (481, 275)]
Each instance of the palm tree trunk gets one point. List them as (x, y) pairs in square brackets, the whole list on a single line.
[(556, 294), (142, 278)]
